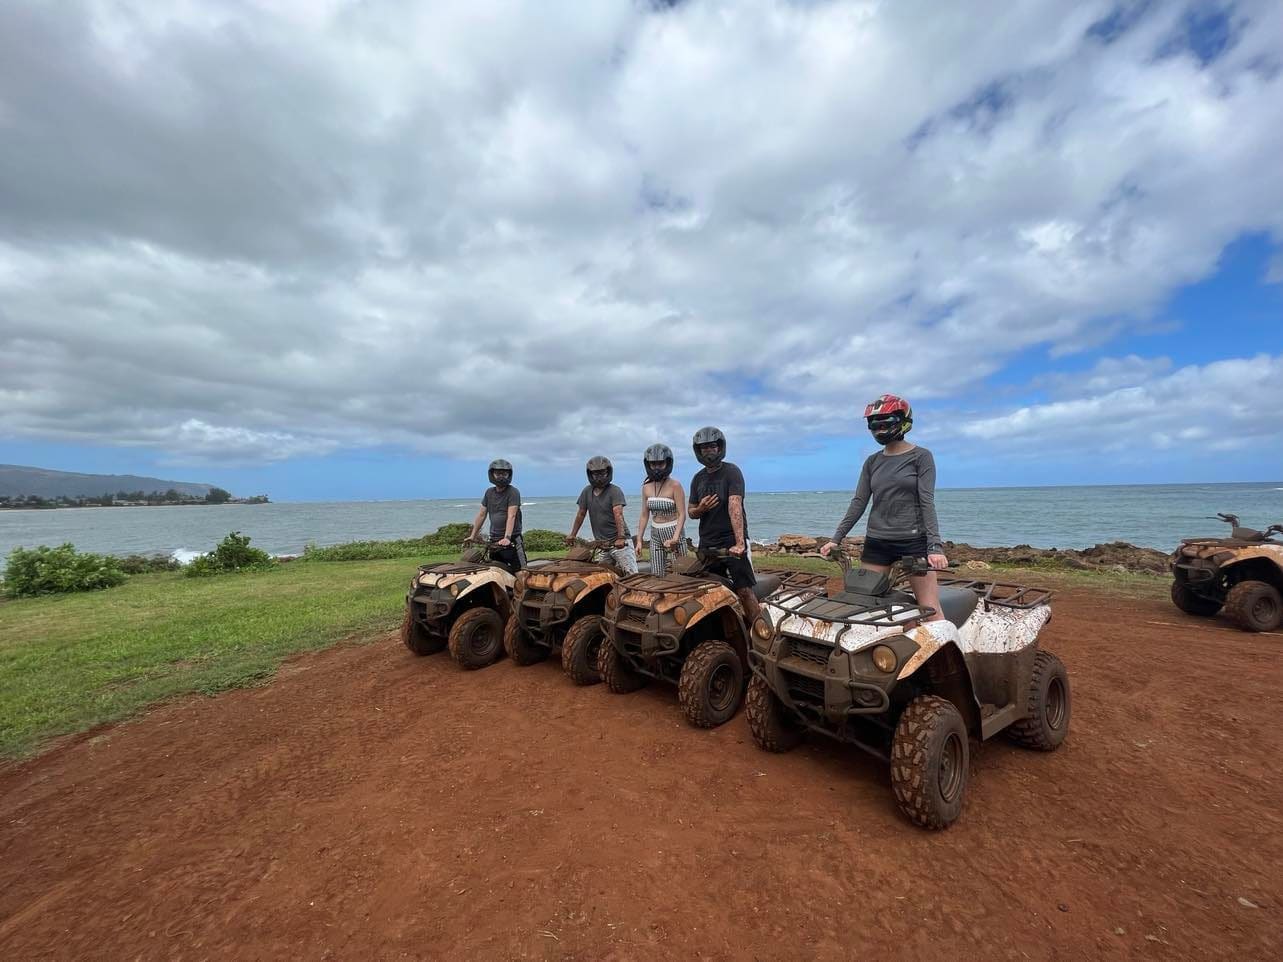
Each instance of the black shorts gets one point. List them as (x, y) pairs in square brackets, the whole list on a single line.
[(738, 570), (878, 551)]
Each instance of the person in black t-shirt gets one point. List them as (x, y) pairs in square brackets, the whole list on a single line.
[(502, 504), (717, 502)]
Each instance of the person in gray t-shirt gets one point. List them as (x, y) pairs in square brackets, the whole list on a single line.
[(603, 504), (502, 504), (900, 480)]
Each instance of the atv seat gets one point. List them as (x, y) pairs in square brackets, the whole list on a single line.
[(766, 584), (957, 604)]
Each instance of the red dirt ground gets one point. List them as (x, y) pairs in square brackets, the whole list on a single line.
[(373, 805)]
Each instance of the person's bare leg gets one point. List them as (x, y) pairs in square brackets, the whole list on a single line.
[(926, 590), (749, 600)]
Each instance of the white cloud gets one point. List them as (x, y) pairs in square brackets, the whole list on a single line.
[(547, 227), (1221, 406)]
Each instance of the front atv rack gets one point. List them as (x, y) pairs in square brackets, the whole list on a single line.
[(1001, 593), (893, 614)]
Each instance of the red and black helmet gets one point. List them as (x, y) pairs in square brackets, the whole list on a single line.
[(890, 418)]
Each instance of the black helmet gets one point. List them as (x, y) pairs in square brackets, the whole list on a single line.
[(600, 471), (709, 435), (500, 473), (658, 454)]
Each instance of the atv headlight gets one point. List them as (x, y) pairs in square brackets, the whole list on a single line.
[(455, 588), (611, 600), (573, 589), (884, 659), (682, 613), (762, 629)]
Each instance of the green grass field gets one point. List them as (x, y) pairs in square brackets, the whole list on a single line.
[(70, 662)]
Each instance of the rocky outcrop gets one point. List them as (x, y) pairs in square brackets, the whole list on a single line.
[(1115, 556)]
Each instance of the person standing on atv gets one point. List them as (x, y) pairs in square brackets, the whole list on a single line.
[(603, 502), (502, 503), (664, 507), (717, 502), (901, 482)]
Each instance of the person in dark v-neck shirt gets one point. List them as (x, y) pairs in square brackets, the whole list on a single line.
[(717, 502)]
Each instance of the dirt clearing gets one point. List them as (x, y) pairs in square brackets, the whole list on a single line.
[(370, 804)]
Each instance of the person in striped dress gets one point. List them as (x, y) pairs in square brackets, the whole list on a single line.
[(663, 507)]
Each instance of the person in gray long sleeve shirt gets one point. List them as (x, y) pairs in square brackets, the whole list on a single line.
[(900, 480)]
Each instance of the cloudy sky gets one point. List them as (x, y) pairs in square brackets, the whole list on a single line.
[(356, 249)]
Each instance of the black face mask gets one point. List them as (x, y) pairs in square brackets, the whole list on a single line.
[(501, 481), (599, 479), (658, 470)]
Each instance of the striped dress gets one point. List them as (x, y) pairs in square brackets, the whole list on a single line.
[(659, 533)]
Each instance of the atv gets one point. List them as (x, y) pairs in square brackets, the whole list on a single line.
[(686, 628), (1243, 574), (460, 605), (559, 605), (863, 667)]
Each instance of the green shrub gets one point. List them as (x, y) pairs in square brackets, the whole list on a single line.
[(445, 540), (449, 535), (48, 571), (141, 564), (540, 539), (232, 554), (374, 550)]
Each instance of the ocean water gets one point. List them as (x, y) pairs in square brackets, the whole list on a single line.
[(1156, 516)]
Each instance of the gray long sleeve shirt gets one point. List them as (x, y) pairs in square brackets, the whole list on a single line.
[(903, 490)]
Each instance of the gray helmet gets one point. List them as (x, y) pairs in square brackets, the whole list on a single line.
[(500, 473), (709, 435), (660, 454), (599, 465)]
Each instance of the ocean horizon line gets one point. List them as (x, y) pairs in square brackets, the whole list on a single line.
[(1276, 484)]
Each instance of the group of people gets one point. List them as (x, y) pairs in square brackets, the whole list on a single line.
[(898, 480)]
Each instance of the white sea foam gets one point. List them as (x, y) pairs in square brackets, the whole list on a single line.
[(185, 555)]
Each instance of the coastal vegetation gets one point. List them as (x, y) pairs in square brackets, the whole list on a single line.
[(232, 554), (60, 570), (125, 499), (449, 537)]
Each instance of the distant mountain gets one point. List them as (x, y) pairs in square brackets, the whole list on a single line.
[(18, 480)]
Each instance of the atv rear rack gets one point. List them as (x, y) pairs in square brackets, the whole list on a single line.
[(1000, 593)]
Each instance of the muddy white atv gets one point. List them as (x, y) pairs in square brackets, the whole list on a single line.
[(461, 605), (559, 605), (1241, 574), (860, 666)]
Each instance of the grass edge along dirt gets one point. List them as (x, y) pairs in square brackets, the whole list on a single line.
[(69, 663)]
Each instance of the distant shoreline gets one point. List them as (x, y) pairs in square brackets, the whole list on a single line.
[(156, 504)]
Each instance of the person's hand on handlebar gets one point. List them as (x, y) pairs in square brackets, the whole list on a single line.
[(619, 543), (828, 546), (938, 562), (503, 542), (737, 550), (570, 541)]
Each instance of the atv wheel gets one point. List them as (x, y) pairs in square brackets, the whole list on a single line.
[(1046, 721), (581, 650), (773, 726), (521, 648), (930, 762), (1193, 604), (476, 640), (417, 638), (1254, 606), (711, 685), (616, 672)]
